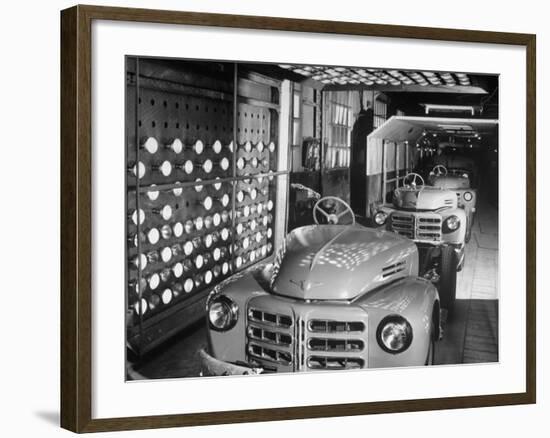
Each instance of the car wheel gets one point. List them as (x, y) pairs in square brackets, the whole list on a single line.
[(447, 279)]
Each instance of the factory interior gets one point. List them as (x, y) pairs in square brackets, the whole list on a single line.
[(224, 160)]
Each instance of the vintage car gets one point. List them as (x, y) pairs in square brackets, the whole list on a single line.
[(458, 181), (458, 161), (337, 296), (429, 216)]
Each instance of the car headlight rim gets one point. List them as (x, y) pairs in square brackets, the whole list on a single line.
[(394, 334), (380, 218), (452, 223), (468, 196), (223, 313)]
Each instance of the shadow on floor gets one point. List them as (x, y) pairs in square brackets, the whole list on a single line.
[(177, 358), (472, 335), (50, 417)]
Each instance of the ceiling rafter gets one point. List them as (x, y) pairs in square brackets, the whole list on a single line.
[(373, 76)]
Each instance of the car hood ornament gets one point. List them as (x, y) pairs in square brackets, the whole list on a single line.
[(305, 285)]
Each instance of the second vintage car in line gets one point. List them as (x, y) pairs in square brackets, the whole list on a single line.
[(430, 217)]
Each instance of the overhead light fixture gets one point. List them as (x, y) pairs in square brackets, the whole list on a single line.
[(433, 107)]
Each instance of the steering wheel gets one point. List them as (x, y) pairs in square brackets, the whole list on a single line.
[(439, 170), (413, 183), (332, 218)]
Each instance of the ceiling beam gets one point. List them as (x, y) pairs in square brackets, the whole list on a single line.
[(457, 89)]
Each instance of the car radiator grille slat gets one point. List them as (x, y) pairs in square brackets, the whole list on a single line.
[(331, 326), (335, 363), (338, 345)]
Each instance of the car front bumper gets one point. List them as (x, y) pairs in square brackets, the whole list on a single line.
[(210, 366)]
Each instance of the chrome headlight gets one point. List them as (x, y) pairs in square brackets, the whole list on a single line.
[(452, 223), (468, 196), (394, 334), (380, 218), (465, 175), (223, 313)]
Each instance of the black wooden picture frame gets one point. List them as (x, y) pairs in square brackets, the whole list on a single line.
[(76, 217)]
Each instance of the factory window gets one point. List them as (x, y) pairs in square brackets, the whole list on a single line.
[(296, 118), (339, 122), (380, 111)]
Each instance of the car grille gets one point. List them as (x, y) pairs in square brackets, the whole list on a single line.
[(270, 336), (417, 226), (298, 341), (339, 347)]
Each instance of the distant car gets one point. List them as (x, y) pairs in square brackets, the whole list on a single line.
[(431, 217), (459, 162), (337, 296), (458, 181)]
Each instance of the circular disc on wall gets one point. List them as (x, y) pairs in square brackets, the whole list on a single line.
[(177, 146), (178, 229), (198, 147), (151, 145), (153, 235), (167, 296), (217, 147)]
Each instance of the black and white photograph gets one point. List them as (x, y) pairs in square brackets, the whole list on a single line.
[(290, 218), (275, 219)]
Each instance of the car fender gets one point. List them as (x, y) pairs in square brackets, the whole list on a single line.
[(455, 237), (387, 209), (469, 206), (240, 288), (413, 298)]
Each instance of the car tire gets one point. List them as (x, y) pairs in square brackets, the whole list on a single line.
[(431, 350), (469, 225), (447, 279)]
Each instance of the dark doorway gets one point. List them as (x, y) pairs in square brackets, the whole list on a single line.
[(362, 127)]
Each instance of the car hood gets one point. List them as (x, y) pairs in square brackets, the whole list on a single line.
[(425, 198), (451, 182), (455, 161), (340, 262)]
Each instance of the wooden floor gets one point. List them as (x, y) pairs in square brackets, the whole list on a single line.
[(471, 336)]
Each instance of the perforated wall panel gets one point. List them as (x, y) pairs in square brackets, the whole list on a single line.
[(201, 186)]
